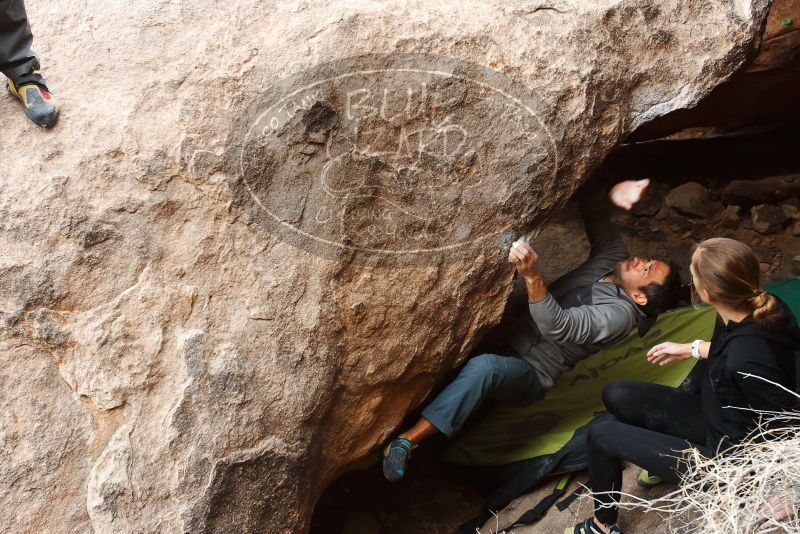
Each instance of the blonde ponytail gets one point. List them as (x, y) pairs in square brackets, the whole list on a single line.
[(765, 307), (729, 271), (759, 299)]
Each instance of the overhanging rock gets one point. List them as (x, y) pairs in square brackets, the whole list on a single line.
[(263, 231)]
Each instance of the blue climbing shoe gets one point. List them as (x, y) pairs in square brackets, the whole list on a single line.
[(395, 457)]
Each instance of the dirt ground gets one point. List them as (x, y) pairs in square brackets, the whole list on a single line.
[(430, 501), (631, 522)]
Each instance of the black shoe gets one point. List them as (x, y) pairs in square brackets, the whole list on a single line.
[(40, 106), (590, 527), (395, 457)]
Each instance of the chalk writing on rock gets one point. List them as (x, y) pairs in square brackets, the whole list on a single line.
[(404, 156)]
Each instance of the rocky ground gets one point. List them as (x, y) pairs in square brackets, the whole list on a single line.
[(430, 501), (758, 207)]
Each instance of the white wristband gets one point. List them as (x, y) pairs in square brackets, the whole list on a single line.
[(696, 348)]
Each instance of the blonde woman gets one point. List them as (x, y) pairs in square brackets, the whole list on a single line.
[(755, 334)]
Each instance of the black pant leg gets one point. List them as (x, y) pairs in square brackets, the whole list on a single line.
[(612, 442), (660, 408), (16, 38)]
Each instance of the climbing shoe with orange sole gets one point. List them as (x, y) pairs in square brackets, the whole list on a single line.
[(40, 106)]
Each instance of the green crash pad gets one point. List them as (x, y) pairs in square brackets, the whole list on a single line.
[(509, 434)]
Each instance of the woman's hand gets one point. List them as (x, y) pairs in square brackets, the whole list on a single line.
[(668, 352)]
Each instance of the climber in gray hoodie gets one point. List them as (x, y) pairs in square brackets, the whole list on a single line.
[(594, 306)]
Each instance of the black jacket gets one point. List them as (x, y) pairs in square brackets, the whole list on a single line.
[(747, 348)]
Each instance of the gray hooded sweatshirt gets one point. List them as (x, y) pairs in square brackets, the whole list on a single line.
[(580, 314)]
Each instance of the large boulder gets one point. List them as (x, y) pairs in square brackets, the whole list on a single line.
[(262, 232), (763, 92)]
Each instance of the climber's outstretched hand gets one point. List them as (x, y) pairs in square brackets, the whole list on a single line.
[(626, 194)]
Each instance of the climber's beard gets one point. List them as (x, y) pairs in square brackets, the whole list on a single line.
[(617, 272), (622, 269)]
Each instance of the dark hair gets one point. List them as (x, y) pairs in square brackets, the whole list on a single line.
[(729, 271), (662, 297)]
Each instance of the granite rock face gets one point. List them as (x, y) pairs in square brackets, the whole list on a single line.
[(263, 231), (763, 92)]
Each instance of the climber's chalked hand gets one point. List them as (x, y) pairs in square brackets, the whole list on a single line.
[(626, 194), (524, 258)]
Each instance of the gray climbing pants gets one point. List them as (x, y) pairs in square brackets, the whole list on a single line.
[(16, 58), (507, 379)]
